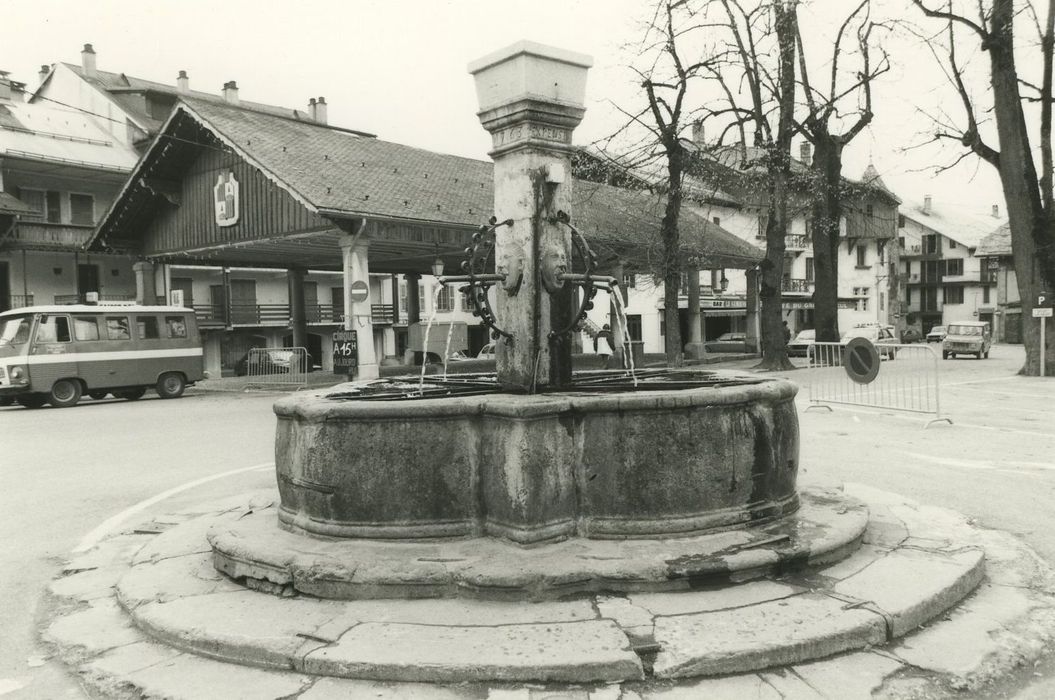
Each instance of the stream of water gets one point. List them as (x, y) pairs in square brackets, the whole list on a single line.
[(628, 348), (425, 342)]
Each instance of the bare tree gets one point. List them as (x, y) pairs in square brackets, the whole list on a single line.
[(820, 126), (768, 112), (1028, 190)]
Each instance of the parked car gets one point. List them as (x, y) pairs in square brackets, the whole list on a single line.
[(728, 342), (967, 338), (260, 361), (936, 334), (800, 344), (487, 352), (911, 335), (882, 336)]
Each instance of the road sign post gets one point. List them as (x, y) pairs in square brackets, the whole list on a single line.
[(1043, 310)]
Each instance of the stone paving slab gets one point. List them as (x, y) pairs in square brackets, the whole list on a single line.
[(810, 626), (1005, 623)]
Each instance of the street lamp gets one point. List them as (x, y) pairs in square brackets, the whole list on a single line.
[(437, 265), (725, 281)]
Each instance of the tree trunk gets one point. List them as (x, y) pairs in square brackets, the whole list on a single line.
[(778, 163), (1032, 228), (672, 345), (826, 214)]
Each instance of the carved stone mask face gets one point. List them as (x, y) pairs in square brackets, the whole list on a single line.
[(511, 264), (554, 263)]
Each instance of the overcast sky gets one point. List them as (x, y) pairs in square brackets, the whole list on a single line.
[(397, 68)]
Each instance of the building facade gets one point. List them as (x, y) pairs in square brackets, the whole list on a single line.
[(945, 280)]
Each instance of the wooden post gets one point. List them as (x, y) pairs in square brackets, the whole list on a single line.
[(298, 316)]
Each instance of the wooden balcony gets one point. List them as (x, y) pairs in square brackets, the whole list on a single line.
[(45, 235)]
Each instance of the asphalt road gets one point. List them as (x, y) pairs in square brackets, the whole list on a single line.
[(73, 475)]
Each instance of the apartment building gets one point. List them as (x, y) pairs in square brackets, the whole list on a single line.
[(944, 278)]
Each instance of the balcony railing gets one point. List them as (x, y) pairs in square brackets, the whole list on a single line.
[(55, 235), (19, 301), (83, 298), (793, 242), (792, 284), (214, 315)]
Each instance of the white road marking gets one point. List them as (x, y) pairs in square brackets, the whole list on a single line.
[(1002, 466), (10, 685), (110, 524)]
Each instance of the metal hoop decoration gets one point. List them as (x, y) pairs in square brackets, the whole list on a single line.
[(587, 280), (477, 254)]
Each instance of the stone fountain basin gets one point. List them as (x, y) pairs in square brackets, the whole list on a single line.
[(533, 468)]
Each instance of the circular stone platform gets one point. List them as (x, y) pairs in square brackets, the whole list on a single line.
[(254, 549), (906, 572)]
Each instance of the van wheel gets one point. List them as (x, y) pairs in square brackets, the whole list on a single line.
[(131, 394), (32, 400), (944, 355), (98, 395), (65, 393), (171, 385)]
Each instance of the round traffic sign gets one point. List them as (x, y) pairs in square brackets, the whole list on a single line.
[(360, 291), (861, 360)]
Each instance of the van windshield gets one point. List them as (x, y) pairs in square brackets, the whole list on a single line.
[(15, 330), (965, 330)]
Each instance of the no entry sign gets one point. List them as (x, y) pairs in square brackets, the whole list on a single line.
[(360, 291)]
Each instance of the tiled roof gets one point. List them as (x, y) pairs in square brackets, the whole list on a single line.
[(343, 174), (9, 204), (953, 221), (996, 243), (54, 134), (118, 83), (340, 171)]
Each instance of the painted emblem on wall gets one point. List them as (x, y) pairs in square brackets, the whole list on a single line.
[(225, 199)]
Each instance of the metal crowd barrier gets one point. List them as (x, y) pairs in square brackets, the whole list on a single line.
[(285, 366), (900, 377)]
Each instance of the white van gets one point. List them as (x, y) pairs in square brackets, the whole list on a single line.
[(57, 354)]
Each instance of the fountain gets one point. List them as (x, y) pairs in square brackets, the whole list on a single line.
[(532, 455)]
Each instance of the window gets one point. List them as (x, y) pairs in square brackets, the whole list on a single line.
[(147, 327), (882, 301), (445, 299), (952, 244), (717, 220), (82, 209), (954, 267), (176, 326), (809, 269), (53, 329), (869, 211), (901, 242), (85, 328), (929, 299), (34, 199), (985, 294), (762, 222), (633, 326), (881, 252), (930, 244), (53, 200), (862, 256), (901, 224), (908, 296), (630, 281), (862, 298), (117, 328), (953, 295)]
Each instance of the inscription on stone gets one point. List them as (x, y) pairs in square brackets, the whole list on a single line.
[(539, 132)]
